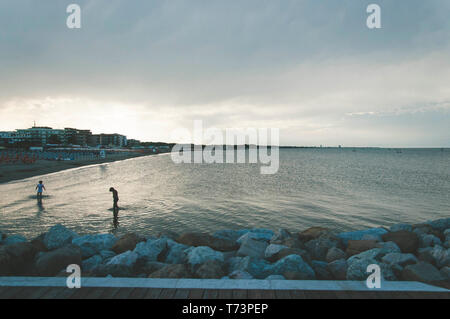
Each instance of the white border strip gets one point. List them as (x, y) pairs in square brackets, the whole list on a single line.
[(221, 284)]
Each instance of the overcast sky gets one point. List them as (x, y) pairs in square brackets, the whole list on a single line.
[(310, 68)]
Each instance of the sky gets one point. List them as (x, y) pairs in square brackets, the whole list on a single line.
[(310, 68)]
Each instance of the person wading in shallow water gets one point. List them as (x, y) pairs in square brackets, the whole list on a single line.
[(40, 187), (115, 199)]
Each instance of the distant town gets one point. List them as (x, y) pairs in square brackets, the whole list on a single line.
[(44, 136)]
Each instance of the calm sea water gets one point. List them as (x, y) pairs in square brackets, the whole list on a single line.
[(344, 189)]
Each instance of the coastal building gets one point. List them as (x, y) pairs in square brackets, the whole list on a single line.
[(41, 135), (76, 136), (108, 140)]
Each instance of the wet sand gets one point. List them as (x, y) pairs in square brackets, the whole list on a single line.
[(11, 172)]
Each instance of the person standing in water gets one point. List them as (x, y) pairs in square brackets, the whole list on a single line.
[(115, 199), (40, 188)]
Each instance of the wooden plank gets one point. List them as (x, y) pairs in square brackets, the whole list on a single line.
[(196, 293), (153, 293), (167, 293), (37, 292), (225, 294), (109, 293), (254, 294), (138, 293), (123, 293), (53, 293), (298, 294), (9, 292), (211, 294), (181, 294), (268, 294), (239, 294), (282, 294), (67, 293)]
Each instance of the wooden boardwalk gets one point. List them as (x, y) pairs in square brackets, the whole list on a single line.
[(165, 293)]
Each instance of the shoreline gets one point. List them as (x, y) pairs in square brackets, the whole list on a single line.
[(14, 172), (403, 252)]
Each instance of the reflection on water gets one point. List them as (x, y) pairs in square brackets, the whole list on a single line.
[(335, 188)]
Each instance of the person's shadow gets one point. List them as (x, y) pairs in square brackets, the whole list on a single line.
[(40, 206), (115, 218)]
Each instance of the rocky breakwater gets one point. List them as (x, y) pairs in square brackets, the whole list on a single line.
[(404, 252)]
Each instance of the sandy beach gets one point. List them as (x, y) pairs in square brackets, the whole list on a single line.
[(10, 172)]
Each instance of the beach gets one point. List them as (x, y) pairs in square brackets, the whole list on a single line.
[(17, 171)]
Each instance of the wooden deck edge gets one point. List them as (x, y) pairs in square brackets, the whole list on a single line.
[(221, 284)]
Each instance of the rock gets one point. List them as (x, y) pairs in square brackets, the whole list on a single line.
[(389, 247), (406, 240), (441, 256), (429, 241), (398, 227), (172, 271), (272, 250), (201, 239), (280, 236), (376, 238), (424, 254), (440, 224), (423, 272), (318, 248), (358, 235), (291, 251), (107, 254), (91, 245), (239, 274), (445, 272), (232, 235), (312, 233), (376, 253), (357, 269), (293, 267), (151, 250), (275, 277), (58, 236), (176, 254), (387, 272), (150, 267), (200, 255), (258, 268), (126, 242), (321, 270), (335, 253), (253, 248), (52, 262), (15, 259), (400, 259), (293, 242), (89, 264), (211, 269), (338, 269), (127, 259), (358, 246), (14, 239), (264, 235), (38, 243)]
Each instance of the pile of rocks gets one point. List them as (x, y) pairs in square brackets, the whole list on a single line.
[(404, 252)]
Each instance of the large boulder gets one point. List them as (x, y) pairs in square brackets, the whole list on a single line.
[(355, 247), (176, 253), (58, 236), (199, 255), (92, 262), (423, 272), (399, 259), (15, 259), (440, 224), (338, 269), (150, 267), (240, 274), (172, 271), (151, 250), (126, 242), (14, 239), (318, 248), (441, 256), (291, 251), (51, 263), (445, 272), (398, 227), (264, 235), (357, 269), (280, 236), (128, 259), (406, 240), (257, 268), (211, 269), (358, 235), (273, 250), (253, 248), (91, 245), (293, 267), (321, 270), (312, 233), (231, 235), (428, 240), (201, 239), (335, 253)]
